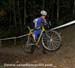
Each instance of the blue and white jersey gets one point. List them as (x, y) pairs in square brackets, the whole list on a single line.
[(38, 21)]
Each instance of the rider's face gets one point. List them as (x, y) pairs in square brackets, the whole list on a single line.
[(43, 17)]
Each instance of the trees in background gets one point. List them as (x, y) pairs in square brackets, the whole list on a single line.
[(15, 14)]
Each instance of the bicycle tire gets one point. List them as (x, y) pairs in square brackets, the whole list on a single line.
[(28, 44), (52, 43)]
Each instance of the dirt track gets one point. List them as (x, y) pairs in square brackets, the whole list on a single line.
[(63, 58)]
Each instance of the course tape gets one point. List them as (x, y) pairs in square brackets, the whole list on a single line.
[(14, 37), (64, 25)]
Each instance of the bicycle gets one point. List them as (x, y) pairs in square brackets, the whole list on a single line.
[(50, 39)]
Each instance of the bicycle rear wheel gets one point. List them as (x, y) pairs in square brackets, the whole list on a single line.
[(28, 45), (51, 41)]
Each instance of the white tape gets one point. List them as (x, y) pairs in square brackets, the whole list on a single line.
[(14, 37), (67, 24)]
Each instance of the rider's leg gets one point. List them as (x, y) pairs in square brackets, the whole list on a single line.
[(36, 33), (43, 49)]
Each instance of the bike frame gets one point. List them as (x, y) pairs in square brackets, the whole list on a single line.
[(39, 38)]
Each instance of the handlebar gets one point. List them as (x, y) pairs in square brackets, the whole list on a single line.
[(46, 24)]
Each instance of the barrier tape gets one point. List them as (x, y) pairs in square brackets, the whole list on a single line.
[(64, 25), (14, 37), (67, 24)]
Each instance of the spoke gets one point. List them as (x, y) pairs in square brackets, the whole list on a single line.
[(56, 43), (56, 38), (49, 44), (52, 34), (52, 40), (53, 44)]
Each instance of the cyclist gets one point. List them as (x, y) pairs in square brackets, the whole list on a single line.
[(38, 22)]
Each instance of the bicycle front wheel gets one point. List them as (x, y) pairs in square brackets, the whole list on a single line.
[(51, 41)]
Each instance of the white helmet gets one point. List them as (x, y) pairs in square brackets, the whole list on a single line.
[(43, 12)]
